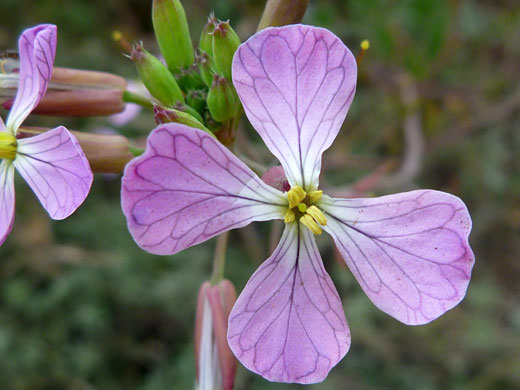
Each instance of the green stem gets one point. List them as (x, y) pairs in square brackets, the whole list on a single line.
[(136, 151), (219, 259), (132, 97)]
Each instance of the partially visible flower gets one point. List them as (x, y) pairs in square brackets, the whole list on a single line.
[(409, 251), (52, 163)]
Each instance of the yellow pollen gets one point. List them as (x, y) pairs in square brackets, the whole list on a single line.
[(289, 216), (365, 44), (314, 196), (308, 221), (317, 214), (295, 195), (7, 146), (302, 207)]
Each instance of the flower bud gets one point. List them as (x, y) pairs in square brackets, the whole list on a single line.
[(172, 33), (106, 153), (189, 110), (225, 43), (197, 99), (72, 92), (213, 308), (206, 37), (206, 68), (168, 115), (223, 102), (275, 177), (282, 12), (189, 79), (156, 77)]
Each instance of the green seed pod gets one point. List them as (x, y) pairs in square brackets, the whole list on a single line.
[(156, 77), (225, 43), (172, 33), (223, 102)]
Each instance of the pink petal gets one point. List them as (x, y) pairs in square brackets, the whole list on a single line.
[(409, 251), (288, 324), (6, 199), (187, 188), (296, 82), (57, 170), (37, 48)]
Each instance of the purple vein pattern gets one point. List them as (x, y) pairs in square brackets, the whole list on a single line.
[(6, 199), (409, 251), (37, 48), (288, 324), (57, 170), (187, 188), (296, 85), (52, 163)]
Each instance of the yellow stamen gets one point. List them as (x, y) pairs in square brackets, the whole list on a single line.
[(317, 214), (365, 44), (308, 221), (314, 196), (7, 146), (302, 207), (289, 216), (295, 195)]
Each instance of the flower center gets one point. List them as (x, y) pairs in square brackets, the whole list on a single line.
[(7, 146), (302, 208)]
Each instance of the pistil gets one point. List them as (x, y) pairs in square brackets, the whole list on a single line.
[(302, 208)]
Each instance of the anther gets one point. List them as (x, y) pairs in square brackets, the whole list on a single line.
[(295, 195), (314, 196), (289, 216), (317, 214), (308, 221)]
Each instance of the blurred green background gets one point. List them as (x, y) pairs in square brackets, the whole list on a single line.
[(81, 307)]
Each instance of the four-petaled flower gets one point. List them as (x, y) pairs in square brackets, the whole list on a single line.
[(52, 163), (408, 251)]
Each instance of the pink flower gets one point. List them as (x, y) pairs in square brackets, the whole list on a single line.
[(52, 163), (409, 251)]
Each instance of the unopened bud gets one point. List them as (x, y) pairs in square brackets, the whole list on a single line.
[(282, 12), (225, 43), (197, 99), (223, 102), (190, 78), (206, 37), (206, 68), (189, 110), (169, 115), (106, 153), (172, 33), (213, 308), (74, 92), (156, 77), (275, 177)]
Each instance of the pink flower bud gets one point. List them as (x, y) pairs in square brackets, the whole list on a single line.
[(275, 177), (216, 364)]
